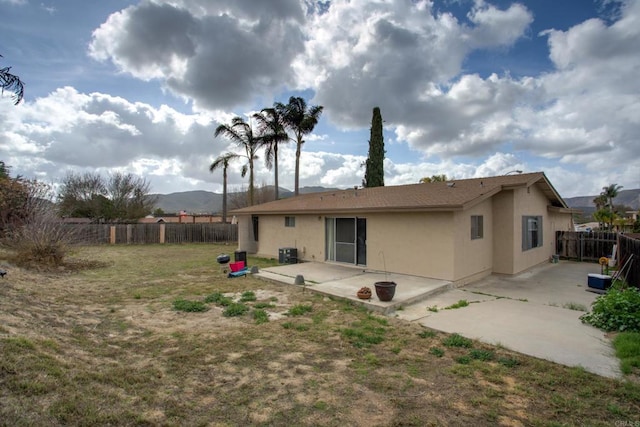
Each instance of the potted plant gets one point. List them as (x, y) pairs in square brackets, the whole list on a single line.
[(385, 290)]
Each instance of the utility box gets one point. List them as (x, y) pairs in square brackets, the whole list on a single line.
[(288, 256), (599, 281)]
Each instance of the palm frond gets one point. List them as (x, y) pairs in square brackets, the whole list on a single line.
[(12, 83)]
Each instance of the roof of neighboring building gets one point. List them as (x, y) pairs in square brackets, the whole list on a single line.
[(456, 194)]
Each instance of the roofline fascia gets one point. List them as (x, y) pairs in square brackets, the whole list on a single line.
[(447, 208)]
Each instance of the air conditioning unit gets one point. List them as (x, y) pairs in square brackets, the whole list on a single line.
[(288, 256)]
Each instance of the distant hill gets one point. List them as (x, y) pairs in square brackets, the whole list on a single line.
[(629, 198), (208, 202)]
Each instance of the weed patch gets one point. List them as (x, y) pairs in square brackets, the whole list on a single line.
[(248, 296), (436, 351), (189, 306), (260, 316), (459, 304), (299, 310), (479, 354), (456, 340), (575, 306), (235, 309)]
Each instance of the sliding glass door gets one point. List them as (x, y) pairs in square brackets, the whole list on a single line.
[(346, 240)]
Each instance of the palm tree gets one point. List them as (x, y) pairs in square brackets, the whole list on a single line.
[(223, 162), (240, 133), (600, 201), (272, 131), (611, 192), (301, 121), (11, 82)]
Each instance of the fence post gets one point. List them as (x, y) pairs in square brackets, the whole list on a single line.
[(161, 233), (128, 233), (112, 234)]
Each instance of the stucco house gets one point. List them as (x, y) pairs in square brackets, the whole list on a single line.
[(459, 231)]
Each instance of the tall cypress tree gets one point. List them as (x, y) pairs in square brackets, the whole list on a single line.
[(374, 174)]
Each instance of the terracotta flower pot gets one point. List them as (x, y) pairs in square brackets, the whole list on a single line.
[(385, 290)]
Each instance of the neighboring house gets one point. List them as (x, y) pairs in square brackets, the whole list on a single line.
[(459, 230), (181, 218)]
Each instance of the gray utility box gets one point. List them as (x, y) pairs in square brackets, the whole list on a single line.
[(288, 256)]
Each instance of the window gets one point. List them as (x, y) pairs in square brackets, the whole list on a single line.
[(254, 221), (289, 221), (477, 231), (531, 232)]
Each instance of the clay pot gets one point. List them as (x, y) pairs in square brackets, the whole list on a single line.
[(385, 290)]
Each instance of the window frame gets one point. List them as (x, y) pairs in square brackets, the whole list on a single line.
[(532, 235), (477, 227), (289, 221)]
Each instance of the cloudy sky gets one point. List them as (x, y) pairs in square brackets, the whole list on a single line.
[(467, 88)]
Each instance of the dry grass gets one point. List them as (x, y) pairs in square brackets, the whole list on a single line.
[(105, 346)]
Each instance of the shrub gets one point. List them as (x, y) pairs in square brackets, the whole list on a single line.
[(42, 240), (617, 310)]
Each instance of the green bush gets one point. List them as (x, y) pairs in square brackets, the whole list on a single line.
[(617, 310)]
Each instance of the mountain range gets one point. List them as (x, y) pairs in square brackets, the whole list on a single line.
[(207, 202)]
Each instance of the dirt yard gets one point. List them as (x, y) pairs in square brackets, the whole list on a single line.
[(100, 342)]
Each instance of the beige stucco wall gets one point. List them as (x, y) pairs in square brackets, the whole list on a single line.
[(307, 236), (504, 229), (473, 259), (419, 244)]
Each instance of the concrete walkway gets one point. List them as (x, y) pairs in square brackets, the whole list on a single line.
[(535, 313)]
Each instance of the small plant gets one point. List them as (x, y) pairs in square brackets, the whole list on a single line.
[(235, 309), (137, 296), (248, 296), (463, 360), (299, 310), (297, 326), (214, 297), (263, 305), (456, 340), (479, 354), (436, 351), (189, 306), (459, 304), (426, 334), (260, 316), (509, 362), (617, 310), (433, 308), (574, 306)]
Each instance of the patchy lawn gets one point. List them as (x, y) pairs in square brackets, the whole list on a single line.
[(159, 336)]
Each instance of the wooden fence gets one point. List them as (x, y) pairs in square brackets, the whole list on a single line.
[(629, 245), (581, 246), (590, 247), (91, 234)]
